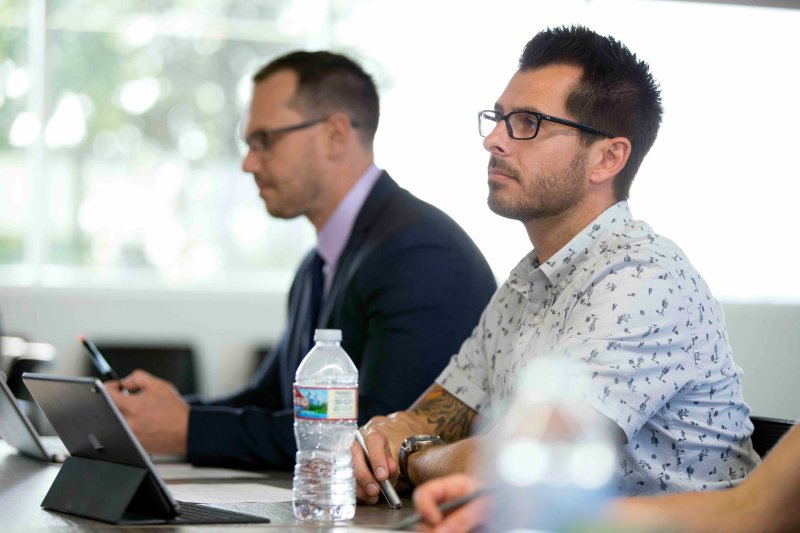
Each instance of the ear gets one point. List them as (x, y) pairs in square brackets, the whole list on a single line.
[(339, 134), (608, 158)]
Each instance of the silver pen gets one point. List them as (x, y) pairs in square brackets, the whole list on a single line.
[(386, 486)]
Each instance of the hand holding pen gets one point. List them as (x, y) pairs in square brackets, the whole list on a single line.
[(451, 503), (386, 486)]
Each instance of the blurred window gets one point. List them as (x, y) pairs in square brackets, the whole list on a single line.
[(19, 126), (120, 165), (133, 151)]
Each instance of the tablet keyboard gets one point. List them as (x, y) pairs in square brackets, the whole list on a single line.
[(196, 513)]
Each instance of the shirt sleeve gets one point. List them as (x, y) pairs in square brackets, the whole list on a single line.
[(631, 327), (246, 437), (467, 374)]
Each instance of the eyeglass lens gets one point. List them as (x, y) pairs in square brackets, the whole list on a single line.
[(523, 125), (258, 141)]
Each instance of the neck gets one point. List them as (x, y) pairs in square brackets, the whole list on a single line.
[(339, 179), (550, 234)]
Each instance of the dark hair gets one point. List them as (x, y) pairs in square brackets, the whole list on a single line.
[(328, 82), (616, 92)]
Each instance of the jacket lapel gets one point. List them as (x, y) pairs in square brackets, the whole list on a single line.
[(370, 212)]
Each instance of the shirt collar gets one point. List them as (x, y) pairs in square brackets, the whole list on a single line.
[(559, 269), (334, 235)]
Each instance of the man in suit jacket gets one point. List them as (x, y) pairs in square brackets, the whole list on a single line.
[(401, 279)]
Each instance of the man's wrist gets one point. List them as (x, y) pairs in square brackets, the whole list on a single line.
[(438, 461), (409, 449)]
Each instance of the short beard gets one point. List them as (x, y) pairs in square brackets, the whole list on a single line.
[(544, 197)]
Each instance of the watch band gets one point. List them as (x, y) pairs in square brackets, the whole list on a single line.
[(413, 444)]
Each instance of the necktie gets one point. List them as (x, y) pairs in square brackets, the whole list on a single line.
[(317, 288)]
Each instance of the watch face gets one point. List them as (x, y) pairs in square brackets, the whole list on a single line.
[(417, 441)]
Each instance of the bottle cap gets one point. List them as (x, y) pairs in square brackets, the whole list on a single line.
[(328, 335)]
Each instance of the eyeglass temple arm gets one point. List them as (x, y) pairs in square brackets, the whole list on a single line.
[(579, 125)]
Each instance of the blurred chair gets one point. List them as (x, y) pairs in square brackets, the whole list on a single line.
[(11, 347), (20, 356), (24, 356), (259, 354), (767, 432), (172, 362)]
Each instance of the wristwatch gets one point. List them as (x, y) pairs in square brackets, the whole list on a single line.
[(413, 444)]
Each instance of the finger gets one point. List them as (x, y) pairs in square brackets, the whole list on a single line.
[(122, 401), (428, 496), (379, 453), (465, 518), (138, 380), (394, 470), (367, 489), (112, 389)]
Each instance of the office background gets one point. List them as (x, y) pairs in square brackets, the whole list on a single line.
[(124, 214)]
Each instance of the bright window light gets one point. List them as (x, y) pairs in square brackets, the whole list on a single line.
[(140, 112)]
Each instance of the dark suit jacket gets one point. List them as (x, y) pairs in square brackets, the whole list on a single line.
[(408, 290)]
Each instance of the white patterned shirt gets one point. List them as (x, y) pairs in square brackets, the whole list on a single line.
[(628, 304)]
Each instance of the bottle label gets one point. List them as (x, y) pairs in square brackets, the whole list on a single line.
[(323, 403)]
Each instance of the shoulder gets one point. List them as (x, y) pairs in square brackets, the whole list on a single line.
[(424, 224), (637, 267), (636, 247), (416, 240)]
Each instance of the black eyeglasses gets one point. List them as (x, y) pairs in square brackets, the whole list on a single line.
[(524, 125), (262, 140)]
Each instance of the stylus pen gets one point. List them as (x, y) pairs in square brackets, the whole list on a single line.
[(386, 485), (102, 365), (446, 507)]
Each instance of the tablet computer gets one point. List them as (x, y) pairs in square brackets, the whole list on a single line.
[(18, 431), (93, 429)]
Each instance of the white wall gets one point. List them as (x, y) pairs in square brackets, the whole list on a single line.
[(225, 327), (764, 340)]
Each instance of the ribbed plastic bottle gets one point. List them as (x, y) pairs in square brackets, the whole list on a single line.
[(325, 421)]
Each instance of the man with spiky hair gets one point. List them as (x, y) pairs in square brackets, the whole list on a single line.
[(565, 140)]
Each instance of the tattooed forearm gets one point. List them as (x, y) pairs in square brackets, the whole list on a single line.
[(449, 416)]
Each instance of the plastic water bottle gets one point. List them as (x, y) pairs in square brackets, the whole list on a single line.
[(553, 460), (325, 421)]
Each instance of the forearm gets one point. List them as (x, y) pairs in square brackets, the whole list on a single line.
[(435, 412), (441, 413), (689, 512), (249, 438), (437, 461)]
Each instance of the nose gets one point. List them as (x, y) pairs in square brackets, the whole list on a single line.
[(251, 162), (498, 141)]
